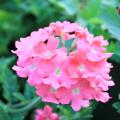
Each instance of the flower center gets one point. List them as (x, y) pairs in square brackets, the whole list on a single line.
[(47, 54), (52, 90), (94, 51), (81, 68), (58, 71), (75, 91), (32, 67)]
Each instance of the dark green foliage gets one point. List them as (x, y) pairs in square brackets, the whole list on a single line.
[(20, 17), (85, 113)]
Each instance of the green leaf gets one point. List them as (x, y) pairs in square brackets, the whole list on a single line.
[(92, 9), (10, 86), (29, 91), (117, 106), (84, 114), (65, 113), (70, 6), (111, 20), (20, 113), (8, 79), (4, 64), (114, 47), (19, 96), (90, 12), (19, 116), (68, 44), (3, 113)]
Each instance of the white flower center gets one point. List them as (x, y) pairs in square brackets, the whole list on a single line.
[(47, 54), (58, 71), (52, 90), (81, 68), (94, 51), (75, 91), (32, 67)]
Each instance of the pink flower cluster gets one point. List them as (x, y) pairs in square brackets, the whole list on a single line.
[(46, 114), (63, 76)]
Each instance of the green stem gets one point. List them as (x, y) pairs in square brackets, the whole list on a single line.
[(73, 46), (21, 104), (31, 105)]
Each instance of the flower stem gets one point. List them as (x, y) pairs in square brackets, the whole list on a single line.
[(73, 46), (28, 107)]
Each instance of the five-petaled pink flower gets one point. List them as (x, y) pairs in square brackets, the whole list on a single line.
[(65, 75), (46, 114)]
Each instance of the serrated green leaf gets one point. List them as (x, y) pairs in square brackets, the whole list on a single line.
[(10, 86), (4, 64)]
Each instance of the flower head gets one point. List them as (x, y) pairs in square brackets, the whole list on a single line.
[(74, 76)]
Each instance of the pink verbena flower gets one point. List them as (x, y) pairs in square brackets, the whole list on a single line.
[(74, 76), (46, 114)]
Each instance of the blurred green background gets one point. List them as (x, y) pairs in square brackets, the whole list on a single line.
[(18, 18)]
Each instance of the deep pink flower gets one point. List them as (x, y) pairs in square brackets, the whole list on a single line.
[(74, 76), (46, 114)]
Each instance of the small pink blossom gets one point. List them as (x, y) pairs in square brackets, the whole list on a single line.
[(64, 76), (46, 114)]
